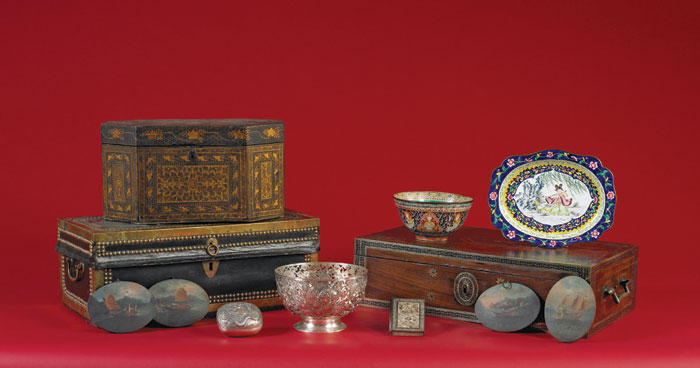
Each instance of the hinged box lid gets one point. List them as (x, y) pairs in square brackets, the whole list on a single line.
[(488, 246), (107, 244), (197, 132)]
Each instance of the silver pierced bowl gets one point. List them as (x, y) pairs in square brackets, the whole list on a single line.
[(321, 293)]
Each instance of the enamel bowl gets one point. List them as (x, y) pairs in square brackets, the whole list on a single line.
[(432, 216)]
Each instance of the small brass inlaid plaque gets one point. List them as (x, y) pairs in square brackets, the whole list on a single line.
[(407, 317)]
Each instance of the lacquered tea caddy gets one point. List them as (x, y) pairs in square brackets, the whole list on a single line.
[(178, 171)]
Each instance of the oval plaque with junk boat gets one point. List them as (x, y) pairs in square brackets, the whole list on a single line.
[(121, 307), (179, 302)]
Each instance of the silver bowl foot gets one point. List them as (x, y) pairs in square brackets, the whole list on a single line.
[(322, 325)]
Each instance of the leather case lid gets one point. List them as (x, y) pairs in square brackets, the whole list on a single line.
[(106, 244), (202, 132)]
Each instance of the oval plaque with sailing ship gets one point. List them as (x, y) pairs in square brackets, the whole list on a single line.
[(569, 309), (179, 302), (552, 198), (121, 307), (507, 307)]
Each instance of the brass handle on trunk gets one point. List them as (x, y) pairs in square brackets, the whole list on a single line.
[(75, 270)]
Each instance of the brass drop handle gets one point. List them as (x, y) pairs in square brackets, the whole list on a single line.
[(75, 270), (624, 283), (611, 291)]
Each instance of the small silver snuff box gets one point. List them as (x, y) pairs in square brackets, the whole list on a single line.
[(239, 319)]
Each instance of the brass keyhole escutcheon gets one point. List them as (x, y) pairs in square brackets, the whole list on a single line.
[(210, 268), (466, 289), (212, 247), (76, 270)]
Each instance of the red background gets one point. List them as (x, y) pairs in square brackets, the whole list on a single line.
[(378, 97)]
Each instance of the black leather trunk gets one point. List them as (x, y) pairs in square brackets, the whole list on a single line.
[(232, 262)]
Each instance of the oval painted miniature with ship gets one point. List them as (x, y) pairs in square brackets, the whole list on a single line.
[(569, 309), (121, 307), (507, 307), (179, 302), (552, 198)]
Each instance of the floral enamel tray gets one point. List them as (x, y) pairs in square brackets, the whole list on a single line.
[(552, 198)]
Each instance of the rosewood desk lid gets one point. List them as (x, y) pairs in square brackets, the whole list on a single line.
[(199, 132), (489, 245)]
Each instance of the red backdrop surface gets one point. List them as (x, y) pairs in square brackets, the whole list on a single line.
[(378, 97)]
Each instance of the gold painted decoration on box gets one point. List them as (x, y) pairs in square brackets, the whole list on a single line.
[(154, 135), (193, 183), (238, 134), (117, 175), (267, 179), (202, 183)]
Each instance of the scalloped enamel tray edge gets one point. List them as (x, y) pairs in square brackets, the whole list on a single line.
[(552, 198)]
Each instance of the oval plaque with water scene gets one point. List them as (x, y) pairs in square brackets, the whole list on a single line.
[(569, 309), (552, 198), (507, 307), (121, 307), (179, 302)]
